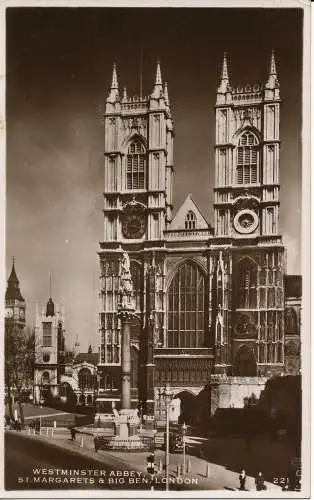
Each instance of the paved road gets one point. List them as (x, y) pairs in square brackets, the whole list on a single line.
[(32, 465)]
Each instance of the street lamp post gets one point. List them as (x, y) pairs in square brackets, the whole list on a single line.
[(167, 398), (184, 429)]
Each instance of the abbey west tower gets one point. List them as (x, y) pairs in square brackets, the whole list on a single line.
[(209, 301), (247, 257), (137, 207)]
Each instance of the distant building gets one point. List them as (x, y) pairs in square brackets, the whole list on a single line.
[(15, 305), (49, 352), (61, 375), (293, 297)]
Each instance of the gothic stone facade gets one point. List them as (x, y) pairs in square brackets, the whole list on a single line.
[(209, 300)]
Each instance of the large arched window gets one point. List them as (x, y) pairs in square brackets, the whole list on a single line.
[(85, 379), (186, 299), (190, 220), (247, 159), (246, 285), (136, 166)]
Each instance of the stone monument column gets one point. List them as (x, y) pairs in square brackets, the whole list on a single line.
[(125, 360), (126, 312)]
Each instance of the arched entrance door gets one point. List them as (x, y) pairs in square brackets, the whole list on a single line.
[(188, 408), (245, 363)]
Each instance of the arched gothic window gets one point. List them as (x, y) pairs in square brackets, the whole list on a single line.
[(186, 299), (136, 166), (190, 220), (85, 379), (45, 379), (247, 281), (247, 159)]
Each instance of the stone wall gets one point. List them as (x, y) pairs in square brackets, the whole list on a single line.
[(230, 392)]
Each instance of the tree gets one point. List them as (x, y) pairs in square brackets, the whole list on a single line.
[(19, 363)]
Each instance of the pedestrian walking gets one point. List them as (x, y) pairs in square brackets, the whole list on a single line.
[(73, 433), (259, 481), (242, 479)]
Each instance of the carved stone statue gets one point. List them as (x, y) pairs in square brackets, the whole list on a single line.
[(125, 265), (126, 287)]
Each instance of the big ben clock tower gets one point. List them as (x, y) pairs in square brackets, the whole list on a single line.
[(138, 170), (15, 306)]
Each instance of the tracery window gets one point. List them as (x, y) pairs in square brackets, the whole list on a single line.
[(85, 379), (247, 282), (186, 299), (47, 334), (136, 166), (190, 220), (247, 159)]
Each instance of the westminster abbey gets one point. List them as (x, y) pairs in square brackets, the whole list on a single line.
[(214, 306)]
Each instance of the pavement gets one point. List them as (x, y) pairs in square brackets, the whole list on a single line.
[(202, 475)]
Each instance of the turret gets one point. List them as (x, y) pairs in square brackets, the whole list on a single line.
[(13, 288), (114, 89), (272, 86), (224, 89), (158, 91)]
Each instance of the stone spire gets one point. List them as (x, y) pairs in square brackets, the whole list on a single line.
[(166, 96), (272, 81), (114, 89), (13, 289), (273, 70), (224, 72), (114, 82), (224, 84), (125, 95), (158, 80), (157, 92)]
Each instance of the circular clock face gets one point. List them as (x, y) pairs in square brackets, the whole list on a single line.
[(133, 226), (22, 314), (245, 222)]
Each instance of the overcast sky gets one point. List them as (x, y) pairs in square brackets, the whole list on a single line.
[(59, 64)]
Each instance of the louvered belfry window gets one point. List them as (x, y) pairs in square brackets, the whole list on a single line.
[(247, 159), (136, 166)]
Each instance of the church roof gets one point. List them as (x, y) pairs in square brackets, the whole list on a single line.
[(91, 358), (189, 205), (293, 285), (13, 288)]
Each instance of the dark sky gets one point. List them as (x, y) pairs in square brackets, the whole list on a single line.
[(59, 64)]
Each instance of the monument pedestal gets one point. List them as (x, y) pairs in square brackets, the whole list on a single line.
[(127, 437)]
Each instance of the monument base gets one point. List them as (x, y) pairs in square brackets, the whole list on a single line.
[(127, 434)]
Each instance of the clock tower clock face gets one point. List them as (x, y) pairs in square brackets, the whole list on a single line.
[(133, 220), (21, 313), (133, 226)]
